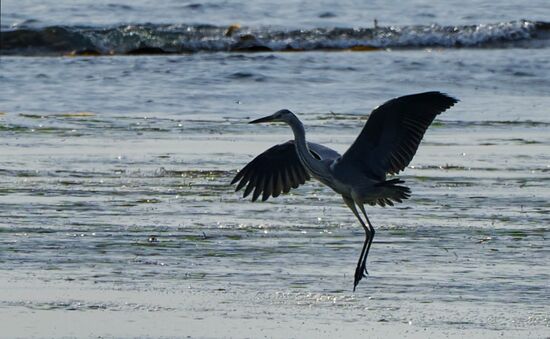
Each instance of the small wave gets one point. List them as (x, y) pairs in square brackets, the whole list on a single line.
[(166, 39)]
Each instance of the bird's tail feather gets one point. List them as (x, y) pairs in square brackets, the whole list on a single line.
[(392, 192)]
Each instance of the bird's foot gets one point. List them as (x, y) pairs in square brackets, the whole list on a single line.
[(360, 273)]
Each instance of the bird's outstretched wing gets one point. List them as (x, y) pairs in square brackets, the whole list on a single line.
[(393, 131), (277, 170)]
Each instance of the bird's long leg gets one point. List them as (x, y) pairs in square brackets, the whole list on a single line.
[(372, 232), (362, 258)]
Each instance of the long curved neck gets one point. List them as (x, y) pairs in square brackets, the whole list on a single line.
[(313, 165)]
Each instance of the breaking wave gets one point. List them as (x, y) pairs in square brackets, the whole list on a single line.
[(181, 38)]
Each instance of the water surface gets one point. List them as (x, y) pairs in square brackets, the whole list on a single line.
[(115, 205)]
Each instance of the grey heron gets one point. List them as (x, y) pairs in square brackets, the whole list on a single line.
[(385, 146)]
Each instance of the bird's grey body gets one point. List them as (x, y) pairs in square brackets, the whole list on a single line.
[(386, 145)]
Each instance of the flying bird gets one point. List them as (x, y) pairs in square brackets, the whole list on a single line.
[(385, 146)]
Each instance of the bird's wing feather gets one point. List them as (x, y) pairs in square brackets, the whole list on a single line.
[(277, 170), (393, 131)]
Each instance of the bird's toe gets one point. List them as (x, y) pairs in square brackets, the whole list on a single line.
[(358, 276), (365, 272)]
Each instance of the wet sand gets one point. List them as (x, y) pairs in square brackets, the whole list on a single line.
[(69, 309)]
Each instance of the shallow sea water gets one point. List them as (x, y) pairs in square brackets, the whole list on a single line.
[(117, 218)]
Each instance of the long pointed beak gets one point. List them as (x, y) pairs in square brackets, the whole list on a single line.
[(264, 119)]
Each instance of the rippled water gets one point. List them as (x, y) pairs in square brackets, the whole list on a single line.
[(114, 196), (289, 13)]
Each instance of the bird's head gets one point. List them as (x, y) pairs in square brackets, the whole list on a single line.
[(283, 115)]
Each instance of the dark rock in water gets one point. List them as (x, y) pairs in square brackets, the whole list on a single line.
[(50, 39), (85, 52), (543, 26), (147, 50), (252, 49), (249, 43), (364, 48), (290, 48)]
